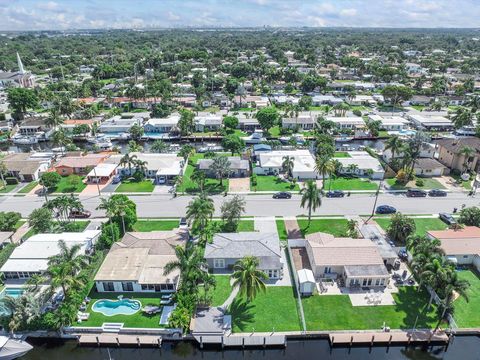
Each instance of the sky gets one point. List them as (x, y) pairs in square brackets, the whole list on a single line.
[(99, 14)]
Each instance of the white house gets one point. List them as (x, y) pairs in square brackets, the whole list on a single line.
[(433, 122), (358, 100), (426, 167), (117, 124), (318, 100), (210, 122), (347, 122), (161, 126), (304, 121), (390, 123), (270, 163), (364, 164)]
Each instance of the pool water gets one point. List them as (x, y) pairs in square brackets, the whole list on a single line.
[(12, 292), (116, 307)]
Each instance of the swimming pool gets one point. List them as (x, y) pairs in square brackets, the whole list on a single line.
[(116, 307), (12, 292)]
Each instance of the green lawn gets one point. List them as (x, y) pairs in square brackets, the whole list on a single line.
[(221, 291), (466, 184), (137, 320), (75, 226), (212, 186), (466, 313), (282, 231), (243, 225), (155, 225), (422, 224), (19, 223), (29, 187), (342, 183), (335, 312), (428, 183), (274, 310), (336, 227), (133, 186), (273, 183), (341, 154), (65, 187), (5, 188)]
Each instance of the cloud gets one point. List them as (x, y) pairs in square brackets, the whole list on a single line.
[(348, 12), (51, 5)]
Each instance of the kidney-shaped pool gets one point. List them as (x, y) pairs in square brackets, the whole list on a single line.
[(117, 307)]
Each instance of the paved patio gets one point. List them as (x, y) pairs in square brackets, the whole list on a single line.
[(375, 296)]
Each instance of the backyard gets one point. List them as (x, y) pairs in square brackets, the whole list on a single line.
[(422, 224), (135, 186), (66, 186), (220, 292), (335, 312), (344, 183), (336, 227), (428, 183), (155, 225), (274, 310), (466, 313), (273, 183)]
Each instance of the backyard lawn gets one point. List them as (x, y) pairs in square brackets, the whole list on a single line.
[(428, 183), (138, 320), (335, 312), (274, 310), (336, 227), (64, 186), (273, 183), (29, 187), (466, 314), (422, 224), (341, 154), (282, 231), (135, 186), (212, 186), (221, 291), (155, 225), (342, 183)]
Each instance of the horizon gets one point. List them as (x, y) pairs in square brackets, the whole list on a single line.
[(63, 15)]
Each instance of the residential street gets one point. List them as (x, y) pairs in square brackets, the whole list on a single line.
[(263, 205)]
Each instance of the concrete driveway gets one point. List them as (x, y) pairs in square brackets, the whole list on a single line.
[(239, 185)]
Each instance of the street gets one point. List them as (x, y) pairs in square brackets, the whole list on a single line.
[(154, 206)]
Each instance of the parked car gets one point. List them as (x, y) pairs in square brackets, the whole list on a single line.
[(335, 194), (116, 179), (282, 195), (183, 222), (79, 214), (385, 209), (437, 193), (447, 218), (416, 193)]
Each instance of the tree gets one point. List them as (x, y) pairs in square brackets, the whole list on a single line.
[(198, 177), (186, 151), (233, 143), (396, 94), (133, 146), (324, 166), (373, 127), (8, 220), (50, 180), (220, 167), (267, 117), (231, 211), (136, 132), (467, 152), (287, 165), (109, 206), (463, 117), (470, 216), (186, 123), (73, 180), (129, 161), (248, 278), (305, 102), (395, 144), (21, 99), (161, 110), (400, 228), (41, 220), (124, 211), (230, 122), (352, 228), (60, 138), (454, 285), (54, 119), (159, 146), (311, 197), (199, 211)]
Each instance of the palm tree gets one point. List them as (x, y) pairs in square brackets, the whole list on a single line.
[(287, 164), (199, 211), (394, 144), (311, 197), (54, 119), (69, 258), (454, 285), (59, 137), (198, 176), (463, 117), (474, 103), (108, 205), (220, 167), (352, 168), (324, 166), (467, 153), (352, 228), (141, 166), (248, 278), (159, 146), (128, 160)]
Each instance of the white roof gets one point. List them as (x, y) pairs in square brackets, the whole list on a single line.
[(388, 120), (354, 120), (302, 159), (103, 169), (362, 159), (430, 119), (305, 276), (169, 164), (171, 120)]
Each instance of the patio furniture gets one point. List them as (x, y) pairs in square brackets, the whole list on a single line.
[(83, 307), (151, 309), (82, 316), (165, 301)]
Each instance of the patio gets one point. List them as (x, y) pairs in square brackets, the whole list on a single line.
[(368, 296)]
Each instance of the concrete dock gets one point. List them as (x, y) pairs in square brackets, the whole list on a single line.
[(120, 340), (393, 337)]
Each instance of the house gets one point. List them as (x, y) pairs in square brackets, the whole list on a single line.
[(331, 100), (425, 167), (25, 166), (210, 122), (161, 126), (390, 123), (347, 122), (355, 262), (117, 124), (430, 122), (449, 153), (227, 248), (102, 173), (304, 121), (79, 165), (238, 167), (361, 163), (69, 124), (461, 246), (421, 100), (34, 126), (358, 100), (270, 163), (163, 168), (137, 263), (249, 124), (31, 257)]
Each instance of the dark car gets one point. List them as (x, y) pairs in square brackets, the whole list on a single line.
[(385, 209), (447, 218), (116, 179), (282, 195), (416, 193), (183, 222), (79, 214), (437, 193), (335, 194)]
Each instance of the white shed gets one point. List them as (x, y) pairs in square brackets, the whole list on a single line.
[(306, 282)]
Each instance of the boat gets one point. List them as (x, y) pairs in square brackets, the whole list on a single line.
[(105, 145), (255, 138), (123, 136), (344, 138), (13, 348), (60, 149), (24, 140), (96, 139)]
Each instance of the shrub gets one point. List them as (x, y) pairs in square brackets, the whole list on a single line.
[(11, 181), (419, 182), (253, 179), (357, 112), (402, 177)]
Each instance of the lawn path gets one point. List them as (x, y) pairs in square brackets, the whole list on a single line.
[(230, 298)]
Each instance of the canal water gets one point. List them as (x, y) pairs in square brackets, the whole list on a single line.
[(461, 348)]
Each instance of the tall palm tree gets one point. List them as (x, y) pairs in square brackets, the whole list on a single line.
[(394, 144), (128, 160), (220, 167), (108, 205), (454, 285), (311, 197), (248, 278), (324, 166), (199, 211), (59, 137), (467, 153), (352, 168), (463, 117), (287, 164), (69, 258), (54, 119), (198, 177)]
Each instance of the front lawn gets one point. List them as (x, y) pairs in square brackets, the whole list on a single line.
[(281, 229), (422, 224), (336, 227), (137, 320), (155, 225), (212, 186), (466, 313), (64, 186), (73, 226), (274, 310), (273, 183), (466, 184), (428, 183), (27, 188), (341, 154), (6, 188), (243, 225), (335, 312), (135, 186), (342, 183)]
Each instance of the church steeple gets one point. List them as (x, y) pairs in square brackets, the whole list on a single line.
[(21, 70)]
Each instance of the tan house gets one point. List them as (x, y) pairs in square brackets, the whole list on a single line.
[(80, 165), (449, 153)]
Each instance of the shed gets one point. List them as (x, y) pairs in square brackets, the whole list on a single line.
[(306, 282)]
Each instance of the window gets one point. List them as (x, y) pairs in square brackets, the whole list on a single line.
[(382, 282), (377, 282), (364, 283), (465, 256), (369, 282), (108, 286), (127, 286), (327, 270), (219, 263)]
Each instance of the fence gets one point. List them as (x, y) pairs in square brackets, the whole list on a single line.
[(291, 266)]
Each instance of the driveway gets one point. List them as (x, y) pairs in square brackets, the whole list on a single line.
[(265, 224), (239, 185)]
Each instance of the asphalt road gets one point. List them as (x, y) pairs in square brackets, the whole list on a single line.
[(263, 205)]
